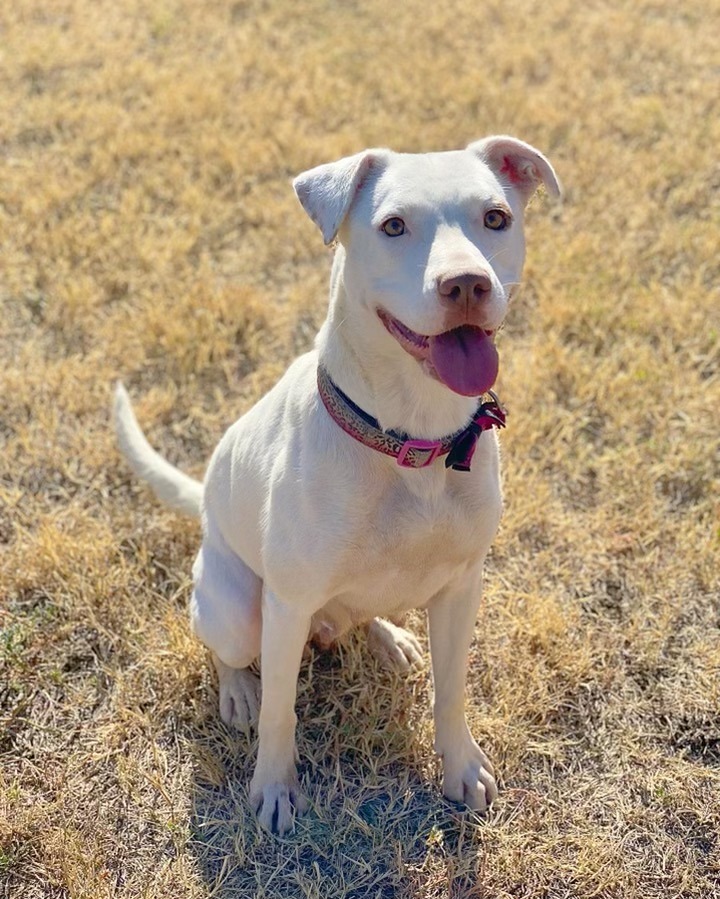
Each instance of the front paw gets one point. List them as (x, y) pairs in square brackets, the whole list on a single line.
[(468, 776), (276, 803)]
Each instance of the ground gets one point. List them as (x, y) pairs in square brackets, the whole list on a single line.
[(148, 232)]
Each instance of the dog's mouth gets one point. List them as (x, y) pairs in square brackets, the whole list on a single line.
[(464, 359)]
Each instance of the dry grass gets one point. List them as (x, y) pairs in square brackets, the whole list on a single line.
[(148, 231)]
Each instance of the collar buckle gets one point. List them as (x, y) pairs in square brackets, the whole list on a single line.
[(432, 447)]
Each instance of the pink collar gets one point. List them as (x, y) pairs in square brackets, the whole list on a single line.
[(458, 447)]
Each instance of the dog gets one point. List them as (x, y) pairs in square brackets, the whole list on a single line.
[(366, 482)]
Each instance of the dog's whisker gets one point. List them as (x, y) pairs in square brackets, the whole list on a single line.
[(339, 325)]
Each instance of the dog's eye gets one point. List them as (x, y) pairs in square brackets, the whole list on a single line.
[(496, 220), (393, 227)]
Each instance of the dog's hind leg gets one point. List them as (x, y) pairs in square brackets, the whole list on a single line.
[(392, 646), (240, 693), (226, 614)]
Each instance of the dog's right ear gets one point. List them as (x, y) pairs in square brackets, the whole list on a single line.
[(327, 191)]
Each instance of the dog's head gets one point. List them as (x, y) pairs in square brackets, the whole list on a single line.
[(433, 245)]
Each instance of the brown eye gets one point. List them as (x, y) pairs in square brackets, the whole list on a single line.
[(393, 227), (496, 220)]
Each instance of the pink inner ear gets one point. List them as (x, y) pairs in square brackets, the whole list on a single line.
[(516, 174)]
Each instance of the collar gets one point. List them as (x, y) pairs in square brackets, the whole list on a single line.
[(458, 447)]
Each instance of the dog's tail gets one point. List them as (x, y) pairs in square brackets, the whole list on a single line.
[(174, 488)]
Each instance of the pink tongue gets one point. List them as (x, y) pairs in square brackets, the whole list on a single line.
[(465, 360)]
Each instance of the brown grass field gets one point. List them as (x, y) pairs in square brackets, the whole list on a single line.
[(148, 231)]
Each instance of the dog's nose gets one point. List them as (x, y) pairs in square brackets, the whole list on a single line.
[(467, 289)]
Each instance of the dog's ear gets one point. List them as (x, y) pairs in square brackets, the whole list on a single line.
[(327, 191), (518, 164)]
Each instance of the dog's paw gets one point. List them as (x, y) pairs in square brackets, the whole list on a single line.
[(277, 803), (468, 776), (240, 693), (392, 646)]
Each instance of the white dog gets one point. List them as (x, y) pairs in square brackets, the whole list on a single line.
[(350, 493)]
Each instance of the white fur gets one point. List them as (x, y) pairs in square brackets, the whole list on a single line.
[(172, 486), (306, 531)]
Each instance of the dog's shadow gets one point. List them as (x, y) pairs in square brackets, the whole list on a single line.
[(377, 816)]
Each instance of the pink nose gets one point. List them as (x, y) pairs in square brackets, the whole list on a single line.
[(466, 290)]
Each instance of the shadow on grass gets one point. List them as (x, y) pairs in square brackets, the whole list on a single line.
[(378, 825)]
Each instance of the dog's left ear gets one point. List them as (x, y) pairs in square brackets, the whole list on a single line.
[(519, 164), (327, 191)]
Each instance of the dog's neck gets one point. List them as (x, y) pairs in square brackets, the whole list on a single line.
[(379, 376)]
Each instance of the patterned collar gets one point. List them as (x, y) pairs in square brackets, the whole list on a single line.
[(458, 447)]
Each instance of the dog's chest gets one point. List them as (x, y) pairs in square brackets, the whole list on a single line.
[(408, 545)]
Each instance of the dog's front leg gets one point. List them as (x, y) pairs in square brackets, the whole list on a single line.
[(467, 773), (274, 788)]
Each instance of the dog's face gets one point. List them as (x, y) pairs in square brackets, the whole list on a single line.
[(434, 247)]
